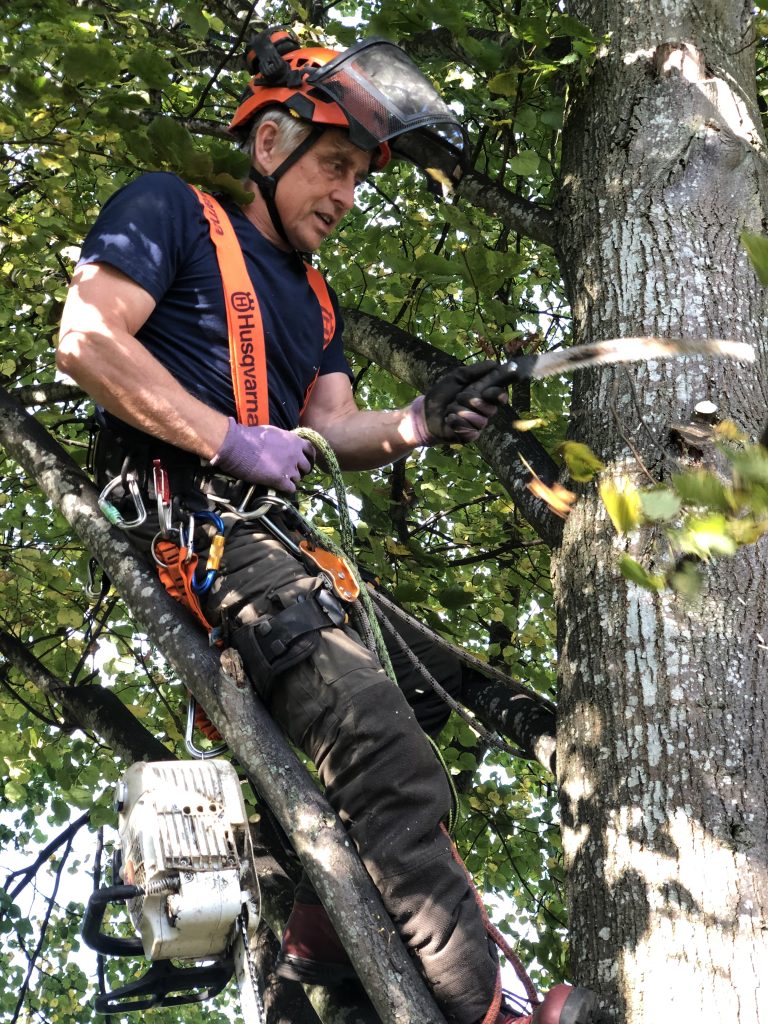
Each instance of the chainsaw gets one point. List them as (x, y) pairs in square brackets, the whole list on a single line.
[(185, 870)]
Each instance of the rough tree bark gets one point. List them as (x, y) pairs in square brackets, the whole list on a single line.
[(663, 727)]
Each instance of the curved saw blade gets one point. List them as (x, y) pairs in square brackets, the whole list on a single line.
[(621, 350)]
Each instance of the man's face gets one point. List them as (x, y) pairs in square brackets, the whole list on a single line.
[(314, 194)]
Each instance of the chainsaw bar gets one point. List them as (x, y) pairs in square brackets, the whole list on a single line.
[(618, 350)]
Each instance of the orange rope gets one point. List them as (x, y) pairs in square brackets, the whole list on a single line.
[(501, 942)]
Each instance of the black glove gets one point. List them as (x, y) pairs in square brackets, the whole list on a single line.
[(460, 403)]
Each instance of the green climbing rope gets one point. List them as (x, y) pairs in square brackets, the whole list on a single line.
[(347, 551)]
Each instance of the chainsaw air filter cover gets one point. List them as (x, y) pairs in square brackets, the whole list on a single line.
[(185, 841)]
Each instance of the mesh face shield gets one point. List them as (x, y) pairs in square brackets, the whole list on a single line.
[(387, 99)]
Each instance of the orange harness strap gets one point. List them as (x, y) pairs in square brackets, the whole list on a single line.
[(320, 288), (247, 355), (176, 576)]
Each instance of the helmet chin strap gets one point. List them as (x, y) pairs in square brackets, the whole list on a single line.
[(267, 183)]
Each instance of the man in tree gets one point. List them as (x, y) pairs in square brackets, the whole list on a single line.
[(201, 389)]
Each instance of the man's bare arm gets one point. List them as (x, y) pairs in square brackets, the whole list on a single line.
[(98, 349), (361, 439)]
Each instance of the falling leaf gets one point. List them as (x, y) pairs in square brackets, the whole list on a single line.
[(581, 461), (660, 505), (757, 250), (633, 571), (557, 497), (622, 501), (523, 425)]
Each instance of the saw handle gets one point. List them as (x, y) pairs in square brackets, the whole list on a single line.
[(512, 371), (93, 936)]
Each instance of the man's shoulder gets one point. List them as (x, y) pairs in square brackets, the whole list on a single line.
[(157, 185)]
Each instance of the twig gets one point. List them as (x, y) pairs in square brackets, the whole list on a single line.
[(630, 444), (223, 63), (43, 930), (66, 836)]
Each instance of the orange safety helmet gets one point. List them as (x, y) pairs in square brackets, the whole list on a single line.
[(269, 87), (373, 90)]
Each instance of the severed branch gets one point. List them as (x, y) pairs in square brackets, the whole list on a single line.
[(510, 453)]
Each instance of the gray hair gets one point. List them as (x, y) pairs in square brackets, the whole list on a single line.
[(291, 131)]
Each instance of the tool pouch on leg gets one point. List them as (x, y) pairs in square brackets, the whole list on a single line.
[(275, 643)]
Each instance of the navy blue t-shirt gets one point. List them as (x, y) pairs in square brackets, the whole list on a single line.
[(154, 231)]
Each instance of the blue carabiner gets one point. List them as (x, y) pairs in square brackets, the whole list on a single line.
[(214, 555)]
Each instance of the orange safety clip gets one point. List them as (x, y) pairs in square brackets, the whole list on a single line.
[(335, 569)]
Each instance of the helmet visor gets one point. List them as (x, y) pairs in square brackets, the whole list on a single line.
[(385, 97)]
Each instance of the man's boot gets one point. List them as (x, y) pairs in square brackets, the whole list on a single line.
[(561, 1005), (311, 951)]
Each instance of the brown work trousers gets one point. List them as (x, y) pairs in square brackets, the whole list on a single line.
[(379, 772)]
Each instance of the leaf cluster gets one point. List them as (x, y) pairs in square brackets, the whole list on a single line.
[(702, 514), (96, 92)]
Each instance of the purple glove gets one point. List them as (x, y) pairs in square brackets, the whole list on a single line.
[(265, 455), (458, 405)]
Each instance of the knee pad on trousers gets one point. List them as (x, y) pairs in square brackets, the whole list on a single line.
[(277, 642)]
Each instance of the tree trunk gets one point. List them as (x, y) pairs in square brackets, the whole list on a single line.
[(663, 728)]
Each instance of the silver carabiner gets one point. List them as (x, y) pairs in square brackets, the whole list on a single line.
[(113, 514), (153, 546), (163, 493), (189, 735), (188, 541)]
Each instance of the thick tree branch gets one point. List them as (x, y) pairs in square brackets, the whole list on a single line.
[(518, 215), (48, 394), (502, 447), (527, 721), (353, 904), (93, 707)]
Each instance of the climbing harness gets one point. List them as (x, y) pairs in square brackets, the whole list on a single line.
[(247, 353)]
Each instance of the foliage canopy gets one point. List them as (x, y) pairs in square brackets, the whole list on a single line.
[(95, 92)]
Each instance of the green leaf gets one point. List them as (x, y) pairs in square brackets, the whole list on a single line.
[(582, 463), (193, 15), (151, 67), (504, 84), (703, 488), (706, 537), (635, 573), (622, 502), (15, 793), (233, 186), (569, 26), (89, 62), (757, 250), (170, 139), (526, 163), (686, 580), (431, 266), (660, 505), (455, 597)]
